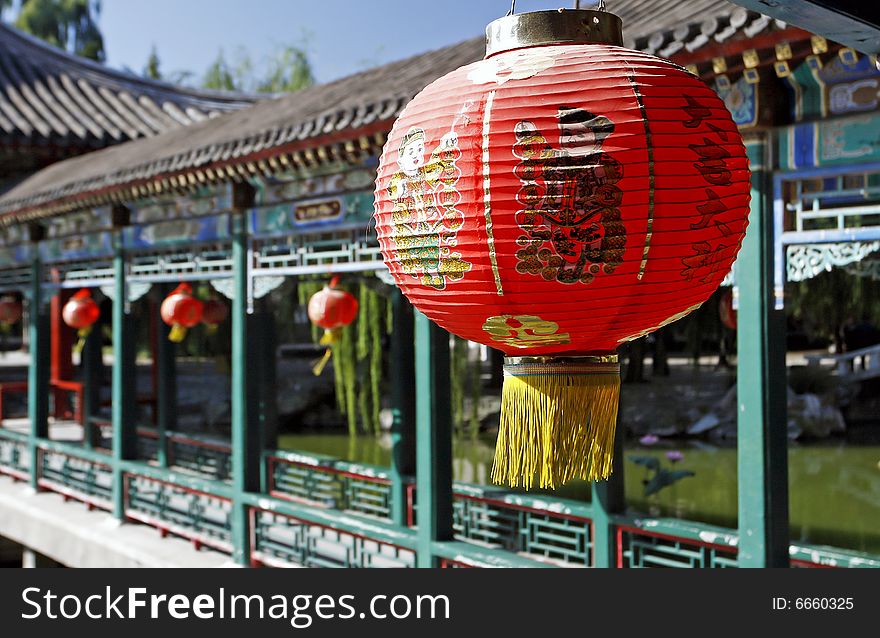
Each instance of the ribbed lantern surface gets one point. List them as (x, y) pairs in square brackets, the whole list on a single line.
[(332, 309), (10, 311), (81, 311), (559, 201), (181, 311)]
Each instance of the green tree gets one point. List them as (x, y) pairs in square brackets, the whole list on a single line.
[(221, 76), (71, 25), (288, 69), (824, 303), (151, 70)]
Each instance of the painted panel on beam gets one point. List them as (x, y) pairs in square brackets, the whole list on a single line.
[(835, 84), (178, 231), (199, 217), (307, 200), (12, 252), (740, 98), (850, 140)]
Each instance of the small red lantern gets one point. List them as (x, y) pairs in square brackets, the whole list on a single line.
[(214, 312), (331, 309), (555, 200), (10, 311), (726, 312), (80, 313), (181, 311)]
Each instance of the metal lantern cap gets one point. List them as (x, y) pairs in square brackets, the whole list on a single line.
[(562, 26)]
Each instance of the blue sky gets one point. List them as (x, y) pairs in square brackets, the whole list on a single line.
[(343, 36)]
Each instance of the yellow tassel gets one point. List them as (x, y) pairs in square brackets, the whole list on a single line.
[(558, 418), (318, 368), (330, 338), (177, 334), (81, 334)]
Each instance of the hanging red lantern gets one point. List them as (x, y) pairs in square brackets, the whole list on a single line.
[(555, 200), (214, 312), (181, 311), (80, 313), (726, 311), (10, 311), (331, 309)]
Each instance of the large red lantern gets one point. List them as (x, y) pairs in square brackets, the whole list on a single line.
[(81, 312), (10, 311), (214, 312), (181, 311), (331, 309), (555, 200)]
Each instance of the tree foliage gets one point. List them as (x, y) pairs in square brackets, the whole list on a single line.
[(151, 70), (71, 25), (288, 69), (822, 305), (223, 76)]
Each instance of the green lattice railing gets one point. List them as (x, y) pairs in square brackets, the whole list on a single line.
[(14, 455), (201, 516), (75, 476), (299, 522), (330, 483), (282, 539), (207, 456)]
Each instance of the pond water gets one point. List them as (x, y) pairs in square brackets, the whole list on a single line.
[(834, 487)]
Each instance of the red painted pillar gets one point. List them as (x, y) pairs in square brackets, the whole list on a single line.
[(61, 368)]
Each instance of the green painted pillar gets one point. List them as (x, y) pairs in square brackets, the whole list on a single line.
[(38, 368), (608, 499), (402, 376), (92, 372), (166, 386), (761, 389), (263, 363), (433, 438), (245, 435), (124, 368)]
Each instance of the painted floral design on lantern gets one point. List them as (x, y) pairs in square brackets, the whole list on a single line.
[(570, 198), (426, 218)]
